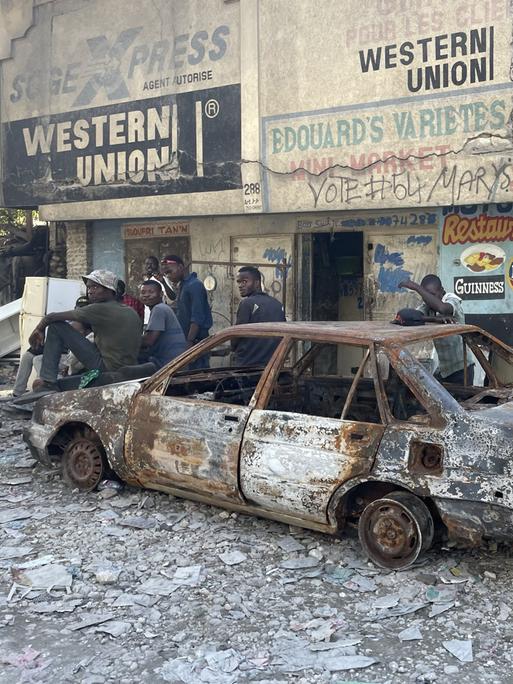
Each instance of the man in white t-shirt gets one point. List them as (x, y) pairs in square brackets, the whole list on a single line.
[(438, 306)]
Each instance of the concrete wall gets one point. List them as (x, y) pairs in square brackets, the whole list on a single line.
[(78, 249)]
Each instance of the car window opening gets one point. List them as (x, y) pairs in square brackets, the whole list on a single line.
[(212, 377), (327, 380)]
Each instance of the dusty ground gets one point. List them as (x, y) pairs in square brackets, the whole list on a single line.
[(148, 588)]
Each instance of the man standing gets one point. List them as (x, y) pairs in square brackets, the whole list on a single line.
[(163, 338), (151, 267), (117, 333), (437, 306), (152, 272), (193, 310), (255, 307)]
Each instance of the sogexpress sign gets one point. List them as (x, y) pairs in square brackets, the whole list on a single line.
[(113, 67), (188, 142)]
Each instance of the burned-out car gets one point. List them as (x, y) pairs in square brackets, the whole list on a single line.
[(345, 424)]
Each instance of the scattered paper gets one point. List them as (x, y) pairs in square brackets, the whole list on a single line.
[(410, 634), (91, 621), (11, 514), (46, 577), (232, 557), (158, 586), (460, 649)]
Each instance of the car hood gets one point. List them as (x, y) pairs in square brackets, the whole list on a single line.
[(95, 401), (501, 416)]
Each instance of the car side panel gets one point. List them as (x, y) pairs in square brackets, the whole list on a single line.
[(293, 463), (186, 443), (103, 409)]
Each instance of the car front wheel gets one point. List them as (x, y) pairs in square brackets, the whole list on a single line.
[(395, 530), (83, 460)]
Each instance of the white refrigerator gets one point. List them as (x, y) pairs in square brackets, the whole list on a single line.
[(42, 296)]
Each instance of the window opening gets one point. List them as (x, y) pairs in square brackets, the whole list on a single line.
[(403, 403), (317, 389), (212, 377), (471, 367)]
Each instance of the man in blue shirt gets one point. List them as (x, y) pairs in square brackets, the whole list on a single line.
[(163, 339), (192, 308)]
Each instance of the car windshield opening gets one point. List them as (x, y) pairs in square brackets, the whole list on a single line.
[(473, 368)]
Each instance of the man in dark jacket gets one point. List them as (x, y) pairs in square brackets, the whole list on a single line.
[(255, 307)]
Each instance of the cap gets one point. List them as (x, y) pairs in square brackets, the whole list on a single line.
[(409, 317), (172, 259), (104, 278)]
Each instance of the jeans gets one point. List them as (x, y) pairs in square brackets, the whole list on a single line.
[(60, 336), (204, 360), (28, 360), (458, 378)]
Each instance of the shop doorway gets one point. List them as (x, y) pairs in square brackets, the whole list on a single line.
[(136, 252), (337, 291), (355, 276)]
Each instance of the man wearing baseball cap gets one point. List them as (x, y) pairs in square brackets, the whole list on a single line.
[(117, 333), (193, 310)]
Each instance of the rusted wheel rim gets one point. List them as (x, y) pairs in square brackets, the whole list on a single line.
[(393, 533), (83, 464)]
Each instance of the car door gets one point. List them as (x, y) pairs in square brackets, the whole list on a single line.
[(191, 441), (292, 461)]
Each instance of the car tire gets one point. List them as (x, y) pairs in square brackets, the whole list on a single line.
[(83, 461), (394, 531)]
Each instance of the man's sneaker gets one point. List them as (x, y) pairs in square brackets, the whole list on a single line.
[(43, 389)]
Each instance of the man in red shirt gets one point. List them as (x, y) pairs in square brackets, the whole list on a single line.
[(128, 300)]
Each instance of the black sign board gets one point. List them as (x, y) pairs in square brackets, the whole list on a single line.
[(480, 287), (184, 143)]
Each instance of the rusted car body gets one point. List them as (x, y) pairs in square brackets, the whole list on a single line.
[(386, 446)]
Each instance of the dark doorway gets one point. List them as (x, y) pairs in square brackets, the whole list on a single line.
[(337, 287)]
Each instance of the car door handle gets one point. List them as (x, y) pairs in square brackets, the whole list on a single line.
[(233, 419), (357, 436)]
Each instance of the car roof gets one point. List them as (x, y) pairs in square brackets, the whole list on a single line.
[(354, 332)]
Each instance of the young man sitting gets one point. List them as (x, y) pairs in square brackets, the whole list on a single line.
[(117, 334), (163, 338)]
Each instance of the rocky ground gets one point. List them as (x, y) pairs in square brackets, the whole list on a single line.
[(136, 586)]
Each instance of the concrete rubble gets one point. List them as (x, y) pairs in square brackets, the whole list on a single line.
[(132, 586)]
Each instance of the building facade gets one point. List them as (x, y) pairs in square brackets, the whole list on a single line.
[(341, 146)]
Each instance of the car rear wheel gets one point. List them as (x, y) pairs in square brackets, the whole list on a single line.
[(395, 530), (83, 461)]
